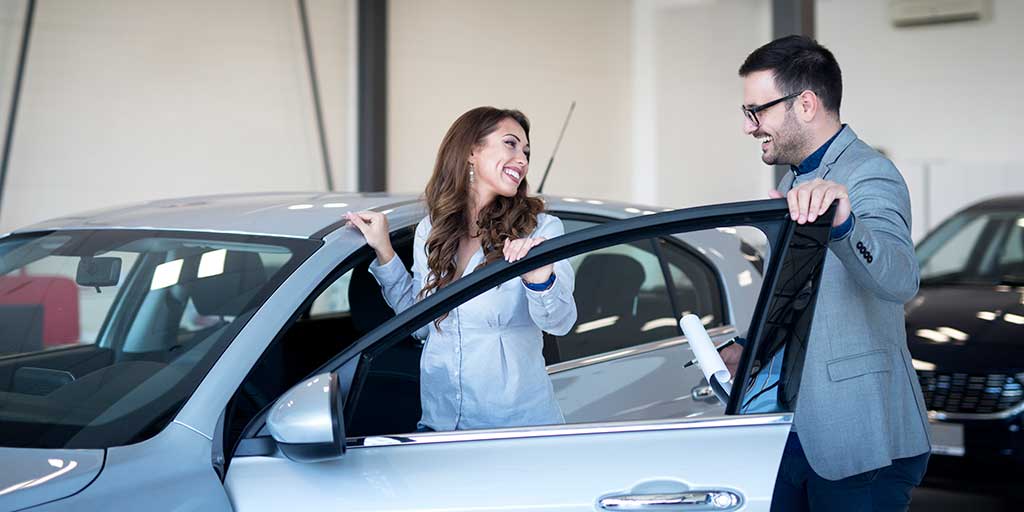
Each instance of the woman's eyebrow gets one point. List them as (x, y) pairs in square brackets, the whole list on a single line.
[(514, 135)]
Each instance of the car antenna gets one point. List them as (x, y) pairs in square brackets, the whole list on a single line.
[(540, 188)]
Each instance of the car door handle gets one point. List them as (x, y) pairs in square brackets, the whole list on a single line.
[(687, 501)]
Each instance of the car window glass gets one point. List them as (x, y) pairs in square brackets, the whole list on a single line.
[(695, 286), (953, 246), (572, 224), (621, 299), (1011, 257), (104, 334), (481, 351), (334, 299), (72, 315)]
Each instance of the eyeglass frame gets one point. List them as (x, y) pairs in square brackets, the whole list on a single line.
[(751, 112)]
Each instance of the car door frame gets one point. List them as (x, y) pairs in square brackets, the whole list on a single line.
[(770, 216)]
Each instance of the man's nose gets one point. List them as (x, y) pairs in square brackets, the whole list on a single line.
[(748, 126)]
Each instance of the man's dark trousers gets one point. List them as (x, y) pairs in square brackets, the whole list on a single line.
[(798, 488)]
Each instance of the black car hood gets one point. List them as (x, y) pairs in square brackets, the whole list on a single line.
[(967, 328)]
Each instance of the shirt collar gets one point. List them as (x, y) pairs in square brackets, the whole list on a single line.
[(813, 161)]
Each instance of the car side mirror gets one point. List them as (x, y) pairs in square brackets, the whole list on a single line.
[(307, 421), (94, 272)]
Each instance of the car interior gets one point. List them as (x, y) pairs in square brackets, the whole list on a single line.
[(389, 399), (152, 348)]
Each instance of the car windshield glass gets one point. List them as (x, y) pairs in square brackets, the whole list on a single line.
[(104, 334), (975, 247)]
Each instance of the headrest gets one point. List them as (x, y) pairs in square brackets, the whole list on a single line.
[(615, 278), (227, 293)]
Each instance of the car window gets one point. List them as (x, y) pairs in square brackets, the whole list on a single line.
[(953, 251), (622, 302), (1011, 255), (104, 334), (70, 315), (633, 272), (975, 248), (694, 284)]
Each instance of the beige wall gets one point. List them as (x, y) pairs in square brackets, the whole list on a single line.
[(127, 100), (448, 56), (703, 155), (942, 100), (137, 99), (655, 82)]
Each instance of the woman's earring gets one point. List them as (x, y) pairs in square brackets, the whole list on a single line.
[(472, 174)]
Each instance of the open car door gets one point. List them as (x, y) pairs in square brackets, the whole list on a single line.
[(705, 463)]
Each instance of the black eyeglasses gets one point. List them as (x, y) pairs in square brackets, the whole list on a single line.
[(751, 112)]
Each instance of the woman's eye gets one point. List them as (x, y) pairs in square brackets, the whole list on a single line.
[(511, 143)]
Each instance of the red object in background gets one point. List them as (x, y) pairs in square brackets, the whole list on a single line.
[(59, 297)]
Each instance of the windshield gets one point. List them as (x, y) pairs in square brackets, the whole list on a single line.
[(104, 334), (975, 247)]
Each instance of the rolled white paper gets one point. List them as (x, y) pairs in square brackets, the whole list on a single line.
[(704, 351)]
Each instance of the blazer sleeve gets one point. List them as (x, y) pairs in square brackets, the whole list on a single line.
[(554, 309), (879, 252), (400, 289)]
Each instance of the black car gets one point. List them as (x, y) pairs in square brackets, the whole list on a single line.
[(965, 330)]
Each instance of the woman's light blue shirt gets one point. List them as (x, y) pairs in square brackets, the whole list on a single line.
[(484, 367)]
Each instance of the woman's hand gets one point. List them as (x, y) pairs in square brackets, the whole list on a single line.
[(516, 250), (374, 227)]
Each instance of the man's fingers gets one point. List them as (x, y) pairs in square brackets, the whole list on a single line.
[(830, 195), (775, 194), (803, 195), (813, 208), (794, 209)]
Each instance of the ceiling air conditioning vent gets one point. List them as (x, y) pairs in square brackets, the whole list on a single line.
[(924, 12)]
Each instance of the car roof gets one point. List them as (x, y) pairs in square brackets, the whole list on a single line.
[(1013, 202), (288, 214)]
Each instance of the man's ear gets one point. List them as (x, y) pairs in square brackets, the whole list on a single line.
[(808, 105)]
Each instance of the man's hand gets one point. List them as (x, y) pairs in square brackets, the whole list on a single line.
[(810, 200), (731, 357)]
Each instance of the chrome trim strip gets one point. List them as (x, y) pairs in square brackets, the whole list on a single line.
[(193, 429), (165, 228), (570, 430), (952, 416), (714, 332)]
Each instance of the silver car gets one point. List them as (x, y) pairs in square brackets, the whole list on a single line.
[(233, 353)]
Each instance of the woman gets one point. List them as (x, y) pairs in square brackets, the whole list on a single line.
[(482, 365)]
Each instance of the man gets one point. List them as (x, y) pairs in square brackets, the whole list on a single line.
[(860, 439)]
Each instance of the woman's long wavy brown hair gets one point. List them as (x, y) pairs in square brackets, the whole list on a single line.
[(449, 200)]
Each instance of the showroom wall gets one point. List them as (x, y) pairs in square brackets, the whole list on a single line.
[(655, 85), (128, 100), (447, 56), (942, 100)]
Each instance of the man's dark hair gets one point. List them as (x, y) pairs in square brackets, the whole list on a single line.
[(799, 63)]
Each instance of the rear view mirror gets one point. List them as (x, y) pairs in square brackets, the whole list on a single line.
[(98, 271)]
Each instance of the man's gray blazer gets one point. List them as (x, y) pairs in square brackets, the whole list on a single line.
[(860, 404)]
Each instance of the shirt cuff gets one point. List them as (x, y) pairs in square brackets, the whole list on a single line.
[(841, 231), (389, 271), (540, 287)]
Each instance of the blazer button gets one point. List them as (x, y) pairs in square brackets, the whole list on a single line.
[(860, 245)]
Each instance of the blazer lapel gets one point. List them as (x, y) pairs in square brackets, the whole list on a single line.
[(843, 140)]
